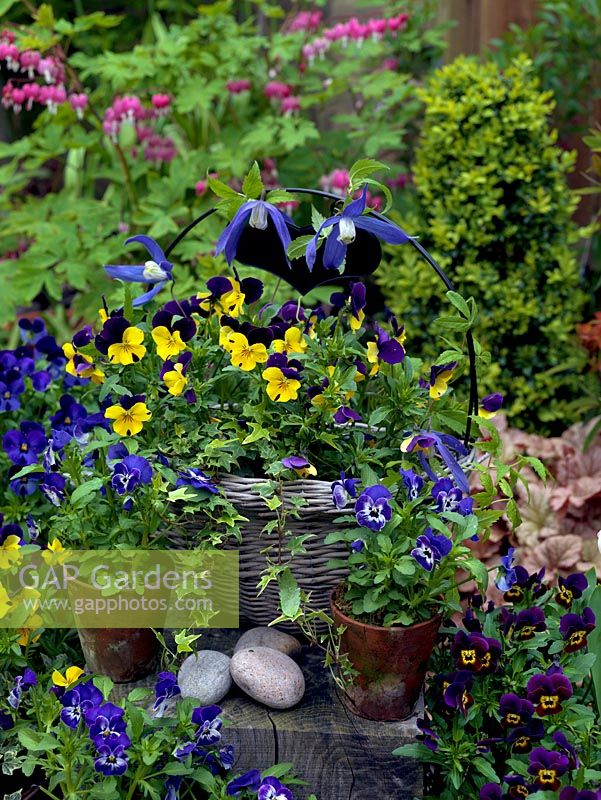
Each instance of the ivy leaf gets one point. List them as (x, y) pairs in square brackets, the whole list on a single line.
[(183, 640), (253, 185), (290, 596)]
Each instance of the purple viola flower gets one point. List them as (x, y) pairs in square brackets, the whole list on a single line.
[(251, 780), (372, 508), (31, 330), (475, 652), (355, 297), (54, 449), (357, 546), (111, 761), (157, 270), (172, 785), (209, 724), (116, 452), (165, 688), (10, 529), (25, 485), (446, 495), (575, 628), (6, 721), (428, 737), (70, 414), (257, 214), (412, 482), (456, 690), (529, 622), (22, 683), (568, 749), (41, 380), (52, 486), (430, 549), (343, 230), (346, 414), (107, 725), (11, 387), (491, 791), (272, 789), (129, 473), (176, 315), (548, 691), (570, 589), (547, 766), (571, 793), (344, 490), (33, 529), (515, 710), (227, 756), (76, 702), (388, 348), (25, 445), (491, 405), (445, 445), (192, 476), (521, 738)]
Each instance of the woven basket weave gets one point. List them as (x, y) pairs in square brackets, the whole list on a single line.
[(310, 569)]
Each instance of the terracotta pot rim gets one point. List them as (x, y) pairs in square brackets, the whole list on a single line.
[(368, 626)]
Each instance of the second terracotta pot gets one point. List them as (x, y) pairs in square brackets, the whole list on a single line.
[(391, 664)]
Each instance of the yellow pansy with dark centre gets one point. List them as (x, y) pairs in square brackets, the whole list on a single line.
[(293, 342), (280, 388), (175, 380), (372, 357), (244, 355), (231, 302), (71, 676), (168, 343), (130, 349), (128, 421), (439, 381), (356, 322), (76, 362)]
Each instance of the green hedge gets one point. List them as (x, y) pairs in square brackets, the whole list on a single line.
[(496, 211)]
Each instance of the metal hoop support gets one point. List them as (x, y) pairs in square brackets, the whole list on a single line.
[(471, 350)]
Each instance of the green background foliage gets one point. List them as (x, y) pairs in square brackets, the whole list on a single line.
[(495, 209)]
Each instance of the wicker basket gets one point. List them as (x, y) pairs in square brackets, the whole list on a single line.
[(310, 569)]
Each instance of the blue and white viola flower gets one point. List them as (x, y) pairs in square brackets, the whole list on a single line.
[(412, 482), (157, 270), (449, 497), (257, 214), (343, 231), (344, 490), (430, 549), (372, 508), (165, 688), (272, 789)]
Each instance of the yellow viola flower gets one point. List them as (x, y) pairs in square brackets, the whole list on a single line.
[(224, 338), (71, 676), (175, 380), (80, 365), (5, 602), (293, 342), (231, 302), (490, 405), (372, 357), (130, 349), (439, 379), (128, 421), (244, 355), (168, 344), (25, 633), (103, 315), (9, 551), (55, 546), (280, 389), (356, 321)]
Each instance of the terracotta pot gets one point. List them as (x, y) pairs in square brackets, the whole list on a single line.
[(391, 663), (122, 654)]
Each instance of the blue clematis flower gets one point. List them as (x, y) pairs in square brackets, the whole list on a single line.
[(257, 214), (157, 270), (196, 478), (445, 445), (344, 230)]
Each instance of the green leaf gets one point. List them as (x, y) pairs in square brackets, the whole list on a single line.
[(298, 247), (105, 684), (362, 169), (486, 769), (85, 489), (290, 596), (279, 196), (459, 303), (6, 5), (221, 189), (253, 185), (317, 218), (36, 740)]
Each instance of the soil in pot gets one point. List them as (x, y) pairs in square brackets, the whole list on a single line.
[(391, 663)]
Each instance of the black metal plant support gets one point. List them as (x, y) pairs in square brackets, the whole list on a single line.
[(337, 278)]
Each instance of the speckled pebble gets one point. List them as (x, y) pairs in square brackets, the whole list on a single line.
[(272, 638), (268, 676), (205, 676)]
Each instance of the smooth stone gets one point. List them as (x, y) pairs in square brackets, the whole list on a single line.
[(205, 676), (268, 676), (272, 638)]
